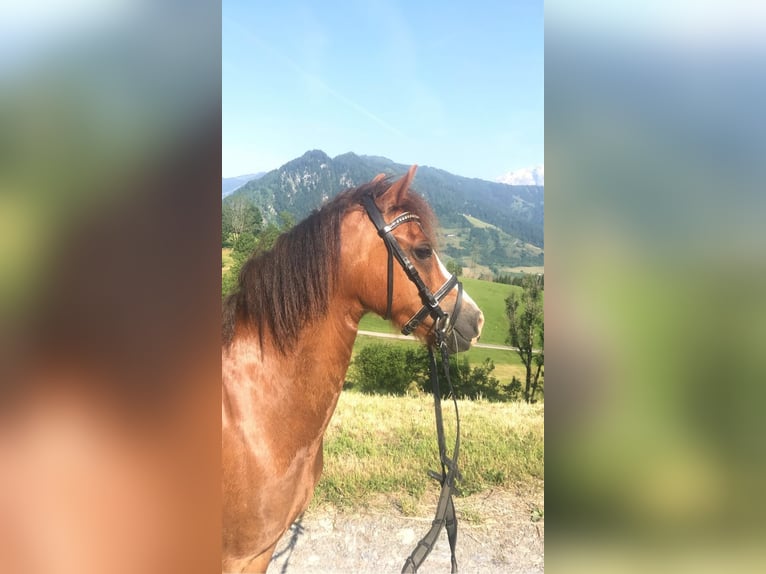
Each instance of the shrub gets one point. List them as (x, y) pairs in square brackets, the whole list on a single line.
[(474, 383), (382, 368)]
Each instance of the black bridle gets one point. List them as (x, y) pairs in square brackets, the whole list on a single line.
[(443, 328), (443, 321)]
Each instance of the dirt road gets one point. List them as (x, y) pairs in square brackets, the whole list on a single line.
[(499, 531)]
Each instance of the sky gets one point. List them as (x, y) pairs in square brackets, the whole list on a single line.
[(452, 85)]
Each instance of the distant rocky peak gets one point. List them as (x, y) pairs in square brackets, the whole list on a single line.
[(525, 176)]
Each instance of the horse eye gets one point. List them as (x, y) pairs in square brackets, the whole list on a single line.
[(423, 252)]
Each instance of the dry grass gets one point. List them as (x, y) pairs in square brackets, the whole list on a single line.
[(536, 269), (384, 445), (226, 260)]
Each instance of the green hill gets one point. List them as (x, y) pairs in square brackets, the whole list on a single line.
[(486, 250), (490, 297)]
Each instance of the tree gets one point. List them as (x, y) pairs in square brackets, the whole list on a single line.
[(454, 267), (239, 215), (525, 313), (268, 235), (286, 220), (247, 235)]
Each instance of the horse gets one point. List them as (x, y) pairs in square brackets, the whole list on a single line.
[(288, 333)]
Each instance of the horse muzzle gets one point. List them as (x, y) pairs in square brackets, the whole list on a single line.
[(465, 330)]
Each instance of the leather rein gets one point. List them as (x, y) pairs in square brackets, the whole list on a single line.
[(443, 327)]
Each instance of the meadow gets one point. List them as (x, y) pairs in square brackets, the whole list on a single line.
[(378, 445), (490, 297)]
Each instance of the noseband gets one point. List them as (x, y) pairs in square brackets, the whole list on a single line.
[(444, 323)]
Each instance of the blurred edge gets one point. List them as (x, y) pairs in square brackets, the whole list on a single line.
[(656, 274), (110, 162)]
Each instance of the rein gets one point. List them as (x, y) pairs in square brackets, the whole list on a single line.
[(443, 326)]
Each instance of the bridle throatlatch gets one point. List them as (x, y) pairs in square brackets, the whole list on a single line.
[(443, 328)]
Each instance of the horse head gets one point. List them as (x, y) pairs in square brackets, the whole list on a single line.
[(391, 244)]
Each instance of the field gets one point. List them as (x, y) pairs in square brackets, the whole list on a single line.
[(383, 446), (539, 269), (479, 223), (490, 297)]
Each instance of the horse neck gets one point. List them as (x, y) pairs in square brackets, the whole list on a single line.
[(306, 380), (323, 351)]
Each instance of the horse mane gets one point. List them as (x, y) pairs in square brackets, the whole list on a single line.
[(285, 288)]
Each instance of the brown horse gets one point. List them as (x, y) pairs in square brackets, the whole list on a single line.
[(288, 333)]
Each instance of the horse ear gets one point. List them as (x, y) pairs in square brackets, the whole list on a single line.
[(398, 190), (378, 178)]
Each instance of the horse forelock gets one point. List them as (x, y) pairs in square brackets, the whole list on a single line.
[(281, 290)]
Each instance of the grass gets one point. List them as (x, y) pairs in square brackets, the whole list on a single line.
[(527, 269), (507, 363), (372, 322), (499, 357), (479, 223), (226, 259), (490, 297), (364, 340), (384, 446)]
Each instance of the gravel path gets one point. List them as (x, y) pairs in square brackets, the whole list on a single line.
[(498, 531)]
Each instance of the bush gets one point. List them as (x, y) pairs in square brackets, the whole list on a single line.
[(513, 389), (474, 383), (382, 368)]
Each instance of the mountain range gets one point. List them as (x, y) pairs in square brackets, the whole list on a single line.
[(231, 184), (511, 216)]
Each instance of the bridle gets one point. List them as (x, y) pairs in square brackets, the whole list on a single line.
[(443, 321), (443, 327)]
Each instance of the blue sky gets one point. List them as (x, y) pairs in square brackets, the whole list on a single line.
[(453, 85)]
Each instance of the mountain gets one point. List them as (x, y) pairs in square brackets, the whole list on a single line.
[(230, 184), (526, 176), (301, 185)]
